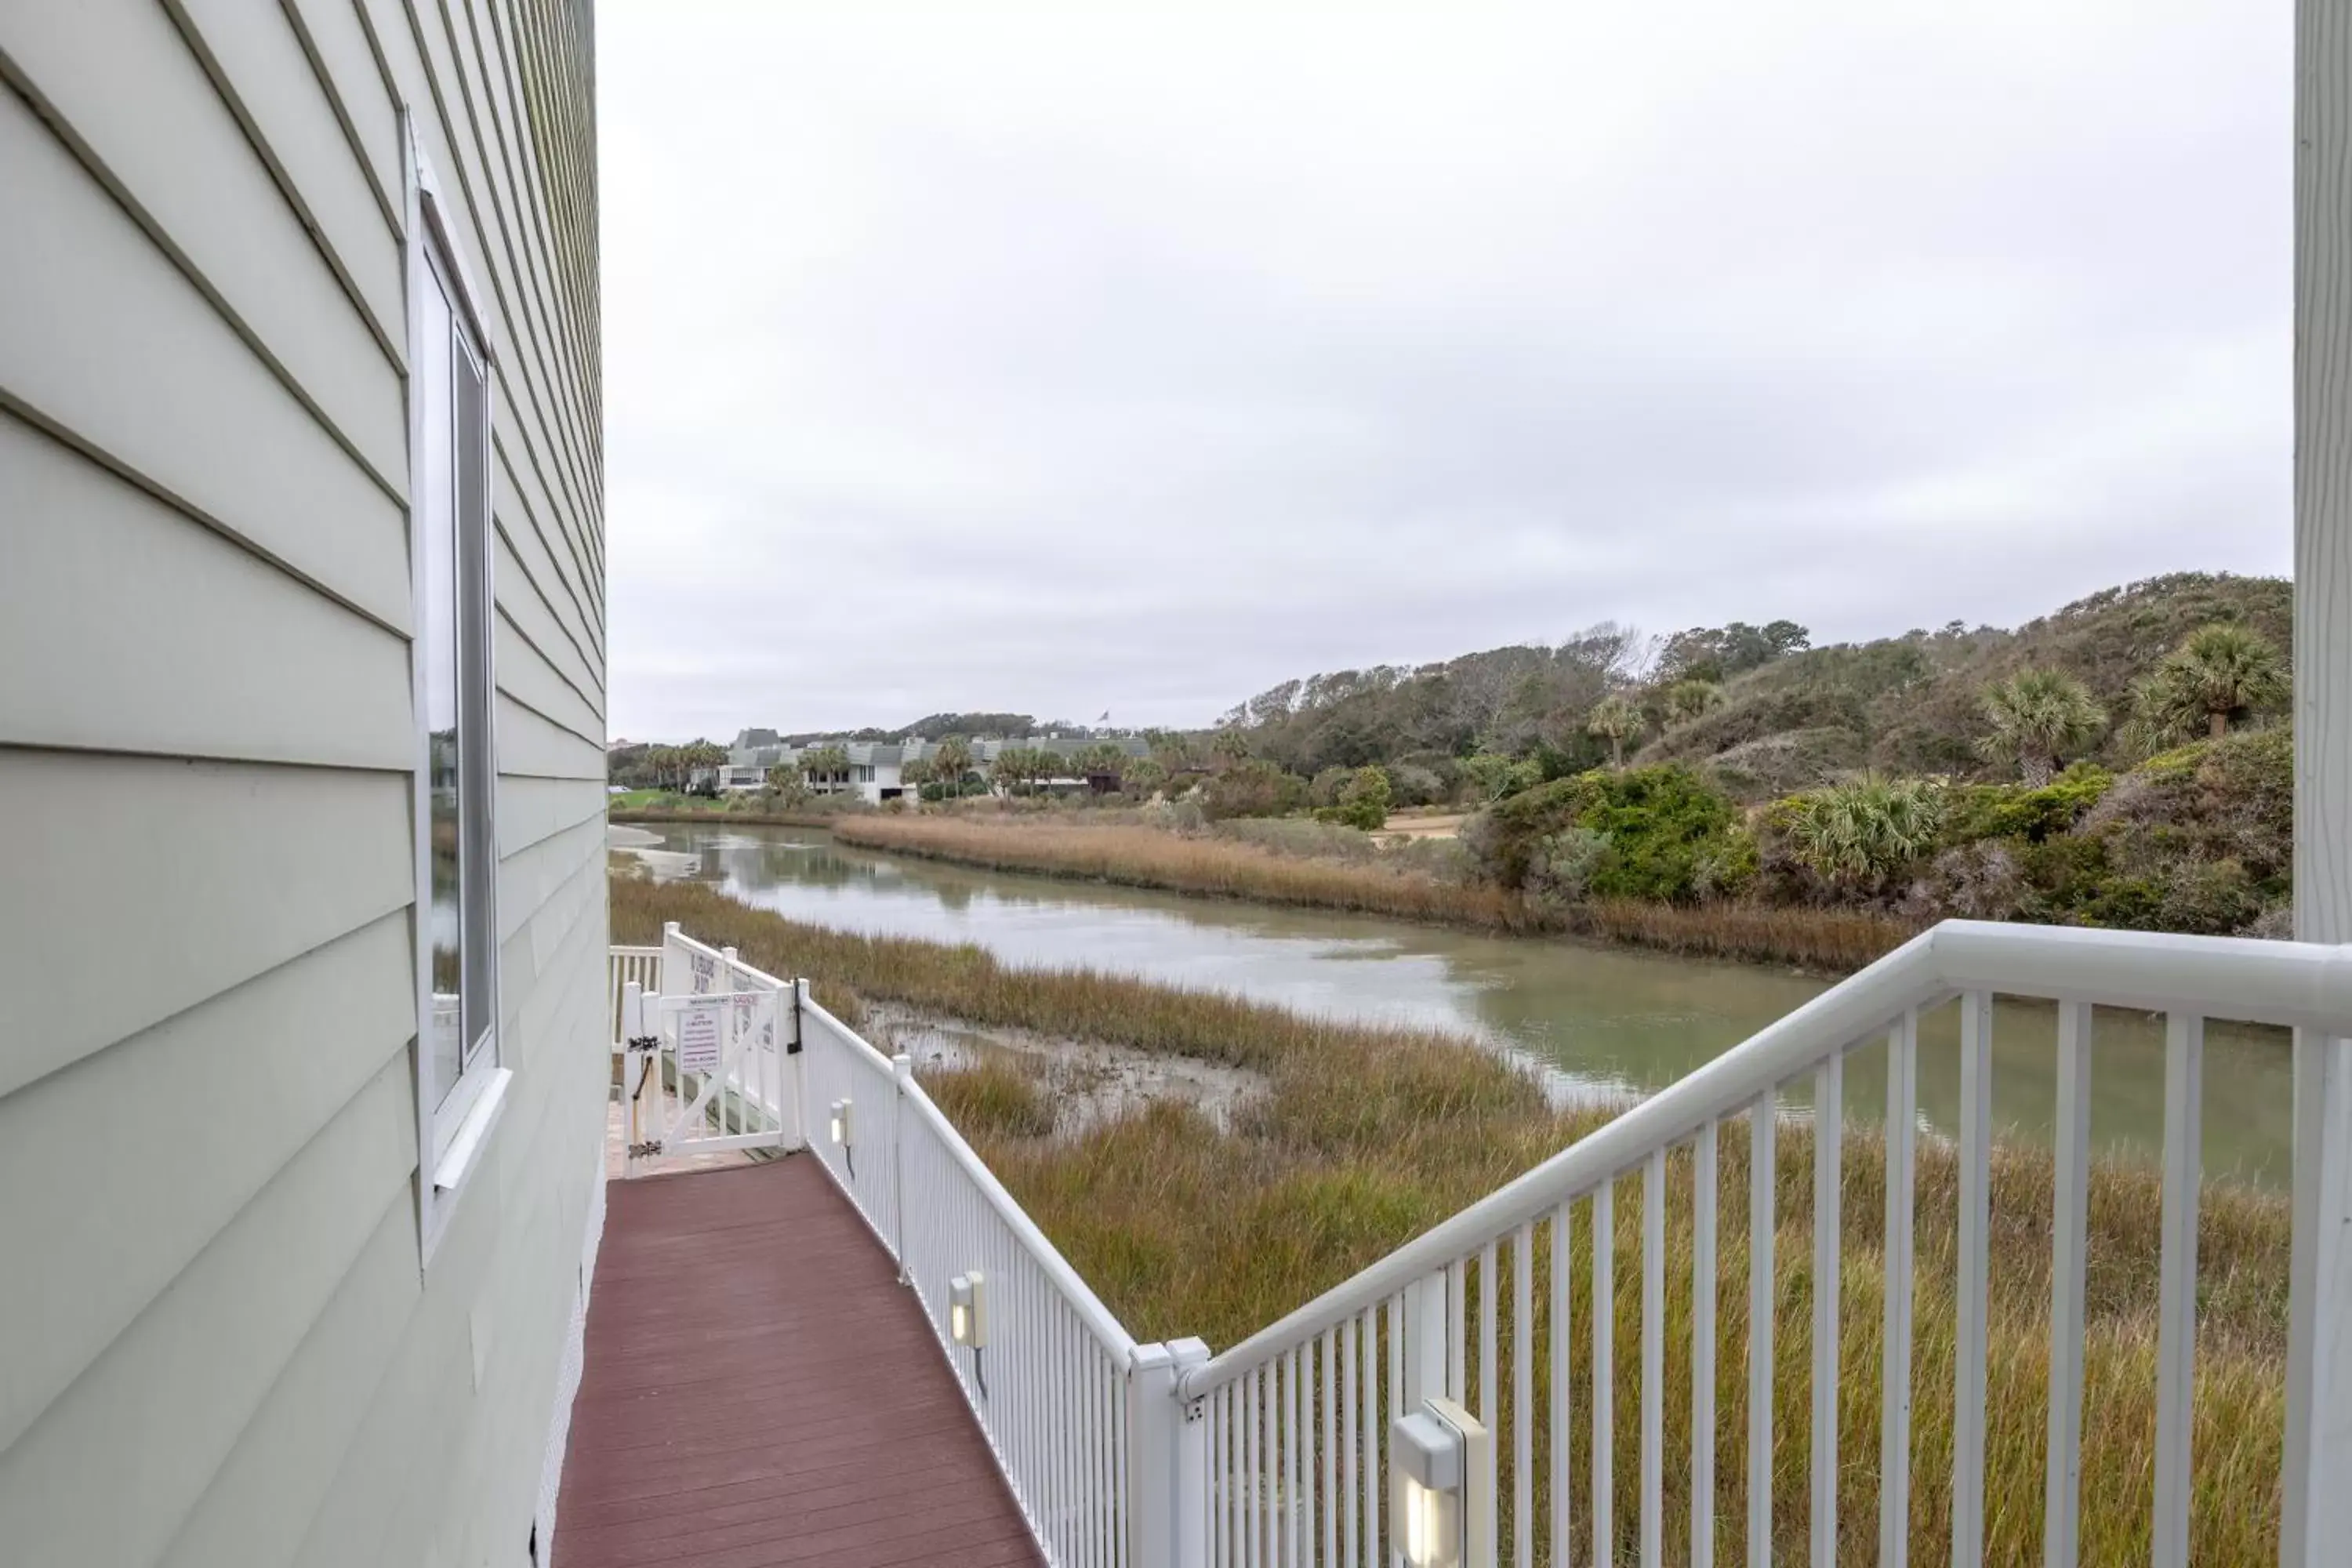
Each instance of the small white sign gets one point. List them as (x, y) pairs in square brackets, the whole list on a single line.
[(698, 1039)]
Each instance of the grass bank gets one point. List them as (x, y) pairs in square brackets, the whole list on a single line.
[(1141, 856), (1368, 1136)]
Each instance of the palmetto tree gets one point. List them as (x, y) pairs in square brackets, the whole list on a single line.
[(917, 773), (953, 760), (2039, 718), (828, 764), (1615, 721), (1686, 700), (1862, 833), (1010, 768), (2222, 672)]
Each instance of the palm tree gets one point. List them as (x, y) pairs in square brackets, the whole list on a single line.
[(953, 758), (1686, 700), (1613, 720), (1231, 745), (1862, 832), (2038, 718), (2221, 672), (917, 773), (1009, 769), (828, 764)]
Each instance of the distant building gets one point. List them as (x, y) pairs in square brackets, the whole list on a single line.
[(878, 768)]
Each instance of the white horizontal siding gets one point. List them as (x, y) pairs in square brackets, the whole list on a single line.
[(125, 84), (163, 1404), (179, 640), (338, 45), (153, 884), (238, 1356), (104, 338), (263, 1498), (256, 57), (189, 1143), (529, 744)]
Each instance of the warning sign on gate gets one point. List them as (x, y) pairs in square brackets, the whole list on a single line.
[(697, 1037)]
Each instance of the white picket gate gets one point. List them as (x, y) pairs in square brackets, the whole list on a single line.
[(709, 1058)]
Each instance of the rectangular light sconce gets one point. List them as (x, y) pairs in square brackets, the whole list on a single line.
[(841, 1122), (968, 1309), (1441, 1482)]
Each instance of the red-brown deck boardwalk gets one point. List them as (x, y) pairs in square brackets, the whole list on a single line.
[(760, 1389)]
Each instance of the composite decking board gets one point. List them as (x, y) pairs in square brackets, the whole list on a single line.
[(760, 1391)]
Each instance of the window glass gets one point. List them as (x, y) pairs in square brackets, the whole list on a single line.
[(436, 516), (452, 514)]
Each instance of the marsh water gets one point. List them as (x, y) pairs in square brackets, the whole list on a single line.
[(1605, 1019)]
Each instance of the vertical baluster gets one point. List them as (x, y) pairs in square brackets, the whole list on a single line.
[(1763, 1154), (1376, 1432), (1976, 1219), (1292, 1489), (1334, 1346), (1604, 1376), (2175, 1329), (1270, 1503), (2069, 1254), (1828, 1130), (1653, 1358), (1490, 1308), (1245, 1494), (1703, 1226), (1895, 1334), (1561, 1324), (1457, 1331), (1523, 1396), (1350, 1531), (1212, 1413)]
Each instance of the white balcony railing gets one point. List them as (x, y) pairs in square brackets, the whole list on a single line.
[(1275, 1451)]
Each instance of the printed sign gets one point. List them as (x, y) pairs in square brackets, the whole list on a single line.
[(705, 973), (698, 1040)]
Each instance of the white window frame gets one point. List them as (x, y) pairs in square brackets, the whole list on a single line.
[(453, 1121)]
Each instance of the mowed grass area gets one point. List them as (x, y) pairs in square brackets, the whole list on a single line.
[(1368, 1136), (1131, 856)]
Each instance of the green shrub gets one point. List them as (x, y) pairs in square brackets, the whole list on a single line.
[(1255, 787), (1363, 802), (1974, 812), (1661, 825)]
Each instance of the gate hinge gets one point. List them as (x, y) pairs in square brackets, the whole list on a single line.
[(650, 1146), (1195, 1410)]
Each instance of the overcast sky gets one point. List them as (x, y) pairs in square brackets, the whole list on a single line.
[(1077, 358)]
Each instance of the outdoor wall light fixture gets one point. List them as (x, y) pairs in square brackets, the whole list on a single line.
[(1440, 1480), (968, 1319), (841, 1131)]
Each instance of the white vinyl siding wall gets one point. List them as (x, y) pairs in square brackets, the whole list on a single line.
[(223, 1346)]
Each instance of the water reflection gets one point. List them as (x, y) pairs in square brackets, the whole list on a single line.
[(1604, 1016)]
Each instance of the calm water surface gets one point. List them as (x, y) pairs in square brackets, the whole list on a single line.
[(1604, 1017)]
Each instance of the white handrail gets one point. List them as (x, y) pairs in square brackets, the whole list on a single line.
[(1099, 1320), (2291, 984)]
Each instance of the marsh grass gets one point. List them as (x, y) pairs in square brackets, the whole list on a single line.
[(1271, 864), (1365, 1136)]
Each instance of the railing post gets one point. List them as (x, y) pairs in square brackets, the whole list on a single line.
[(2318, 1511), (798, 1049), (902, 1073), (1425, 1345), (671, 985), (1168, 1459)]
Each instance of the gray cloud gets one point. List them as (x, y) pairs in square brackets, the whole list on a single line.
[(1068, 358)]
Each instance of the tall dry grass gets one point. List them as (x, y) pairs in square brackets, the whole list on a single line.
[(1131, 856), (1365, 1136)]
